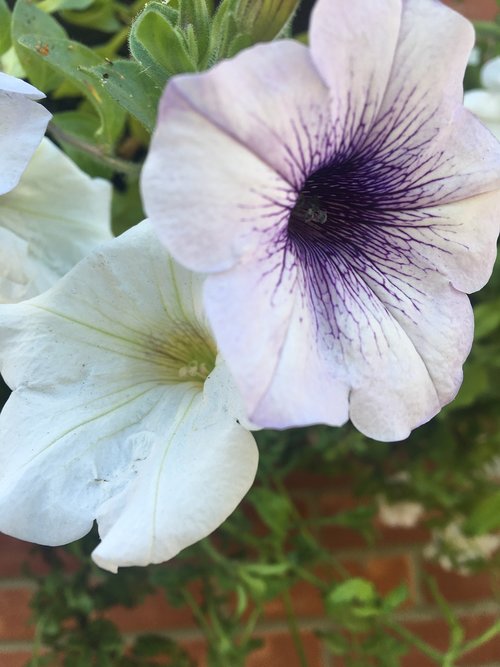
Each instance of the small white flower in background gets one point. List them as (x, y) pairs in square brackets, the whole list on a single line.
[(485, 103), (402, 514), (455, 550), (121, 410), (52, 219), (22, 125)]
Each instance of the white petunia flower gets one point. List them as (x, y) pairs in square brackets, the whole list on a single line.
[(22, 125), (52, 219), (121, 410)]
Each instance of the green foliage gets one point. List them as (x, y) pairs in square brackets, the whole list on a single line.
[(5, 40)]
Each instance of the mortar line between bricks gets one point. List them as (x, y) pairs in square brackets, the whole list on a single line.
[(10, 647), (17, 582), (310, 623), (326, 656)]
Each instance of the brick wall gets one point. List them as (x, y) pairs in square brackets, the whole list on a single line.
[(395, 558)]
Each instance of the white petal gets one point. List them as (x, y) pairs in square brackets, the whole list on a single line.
[(196, 475), (353, 45), (53, 218), (22, 125), (90, 361)]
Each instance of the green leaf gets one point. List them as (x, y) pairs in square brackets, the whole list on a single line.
[(353, 590), (72, 59), (30, 22), (5, 41), (99, 16), (264, 19), (487, 319), (395, 598), (195, 13), (485, 517), (58, 5), (273, 508), (158, 45), (124, 80), (475, 384)]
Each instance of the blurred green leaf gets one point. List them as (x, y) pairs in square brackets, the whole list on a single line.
[(353, 590), (58, 5), (29, 22), (100, 15), (485, 517), (487, 319), (72, 60), (5, 40)]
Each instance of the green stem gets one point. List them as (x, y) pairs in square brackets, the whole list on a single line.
[(250, 626), (114, 163), (197, 613), (294, 628), (482, 639), (415, 640)]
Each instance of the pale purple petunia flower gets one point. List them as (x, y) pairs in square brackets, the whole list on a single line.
[(343, 203)]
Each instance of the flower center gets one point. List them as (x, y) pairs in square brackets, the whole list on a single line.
[(186, 354)]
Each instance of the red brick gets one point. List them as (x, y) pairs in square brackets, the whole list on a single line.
[(337, 537), (475, 9), (436, 633), (14, 554), (197, 649), (153, 614), (14, 659), (306, 602), (15, 614), (402, 537), (386, 572), (459, 588), (279, 651), (490, 652), (310, 481)]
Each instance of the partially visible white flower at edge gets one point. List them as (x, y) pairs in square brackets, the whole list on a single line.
[(401, 514), (51, 213), (122, 412), (52, 219), (485, 103), (455, 550), (22, 125)]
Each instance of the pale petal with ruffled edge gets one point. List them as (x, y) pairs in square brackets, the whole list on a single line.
[(108, 372), (196, 475), (349, 288), (22, 125), (52, 219)]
